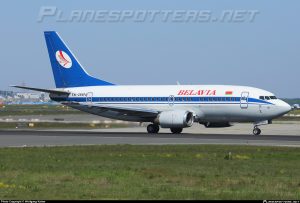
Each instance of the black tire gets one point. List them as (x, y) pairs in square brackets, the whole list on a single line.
[(176, 130), (152, 128), (256, 131)]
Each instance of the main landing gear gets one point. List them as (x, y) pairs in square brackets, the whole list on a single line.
[(176, 130), (153, 128), (256, 130)]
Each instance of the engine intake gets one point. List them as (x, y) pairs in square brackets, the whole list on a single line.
[(175, 119)]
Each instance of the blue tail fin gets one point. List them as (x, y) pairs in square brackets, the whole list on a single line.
[(66, 69)]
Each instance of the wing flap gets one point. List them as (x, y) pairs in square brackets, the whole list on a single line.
[(117, 110)]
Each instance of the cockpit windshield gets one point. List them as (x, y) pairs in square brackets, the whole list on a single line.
[(267, 97)]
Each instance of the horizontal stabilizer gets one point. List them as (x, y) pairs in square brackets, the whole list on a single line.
[(42, 90)]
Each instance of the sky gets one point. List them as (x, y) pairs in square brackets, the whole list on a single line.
[(262, 53)]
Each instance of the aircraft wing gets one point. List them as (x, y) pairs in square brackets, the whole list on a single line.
[(42, 90), (116, 110)]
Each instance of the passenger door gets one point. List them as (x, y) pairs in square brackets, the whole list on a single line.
[(171, 100), (244, 100), (89, 98)]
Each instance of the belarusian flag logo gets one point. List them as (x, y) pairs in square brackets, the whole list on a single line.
[(228, 93)]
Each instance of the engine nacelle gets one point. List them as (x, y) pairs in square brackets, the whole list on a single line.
[(216, 124), (175, 119)]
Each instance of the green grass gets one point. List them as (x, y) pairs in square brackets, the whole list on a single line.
[(57, 125), (296, 112), (17, 110), (150, 172)]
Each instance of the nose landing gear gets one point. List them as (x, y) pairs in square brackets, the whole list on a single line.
[(256, 130)]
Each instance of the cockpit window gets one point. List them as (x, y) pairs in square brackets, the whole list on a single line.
[(267, 97)]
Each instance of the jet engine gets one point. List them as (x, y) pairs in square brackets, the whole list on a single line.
[(175, 119)]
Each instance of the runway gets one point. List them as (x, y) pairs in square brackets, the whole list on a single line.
[(24, 138)]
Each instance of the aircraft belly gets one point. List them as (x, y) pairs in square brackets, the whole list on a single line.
[(230, 113), (204, 112)]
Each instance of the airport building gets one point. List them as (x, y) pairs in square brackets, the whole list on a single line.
[(10, 97)]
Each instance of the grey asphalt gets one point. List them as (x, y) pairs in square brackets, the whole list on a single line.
[(23, 138)]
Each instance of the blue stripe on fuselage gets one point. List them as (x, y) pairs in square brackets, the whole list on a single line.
[(161, 100)]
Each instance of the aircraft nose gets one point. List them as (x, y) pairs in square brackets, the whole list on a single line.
[(284, 107)]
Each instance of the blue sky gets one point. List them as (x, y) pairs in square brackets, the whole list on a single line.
[(263, 53)]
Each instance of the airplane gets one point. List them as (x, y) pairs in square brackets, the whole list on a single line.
[(166, 106)]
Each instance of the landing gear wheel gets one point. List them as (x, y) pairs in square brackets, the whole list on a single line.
[(152, 128), (176, 130), (256, 131)]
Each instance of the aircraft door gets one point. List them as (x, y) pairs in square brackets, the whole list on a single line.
[(171, 100), (244, 100), (89, 98)]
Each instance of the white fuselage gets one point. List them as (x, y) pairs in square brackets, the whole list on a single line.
[(209, 103)]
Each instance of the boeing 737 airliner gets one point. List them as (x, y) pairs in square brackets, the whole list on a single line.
[(168, 106)]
